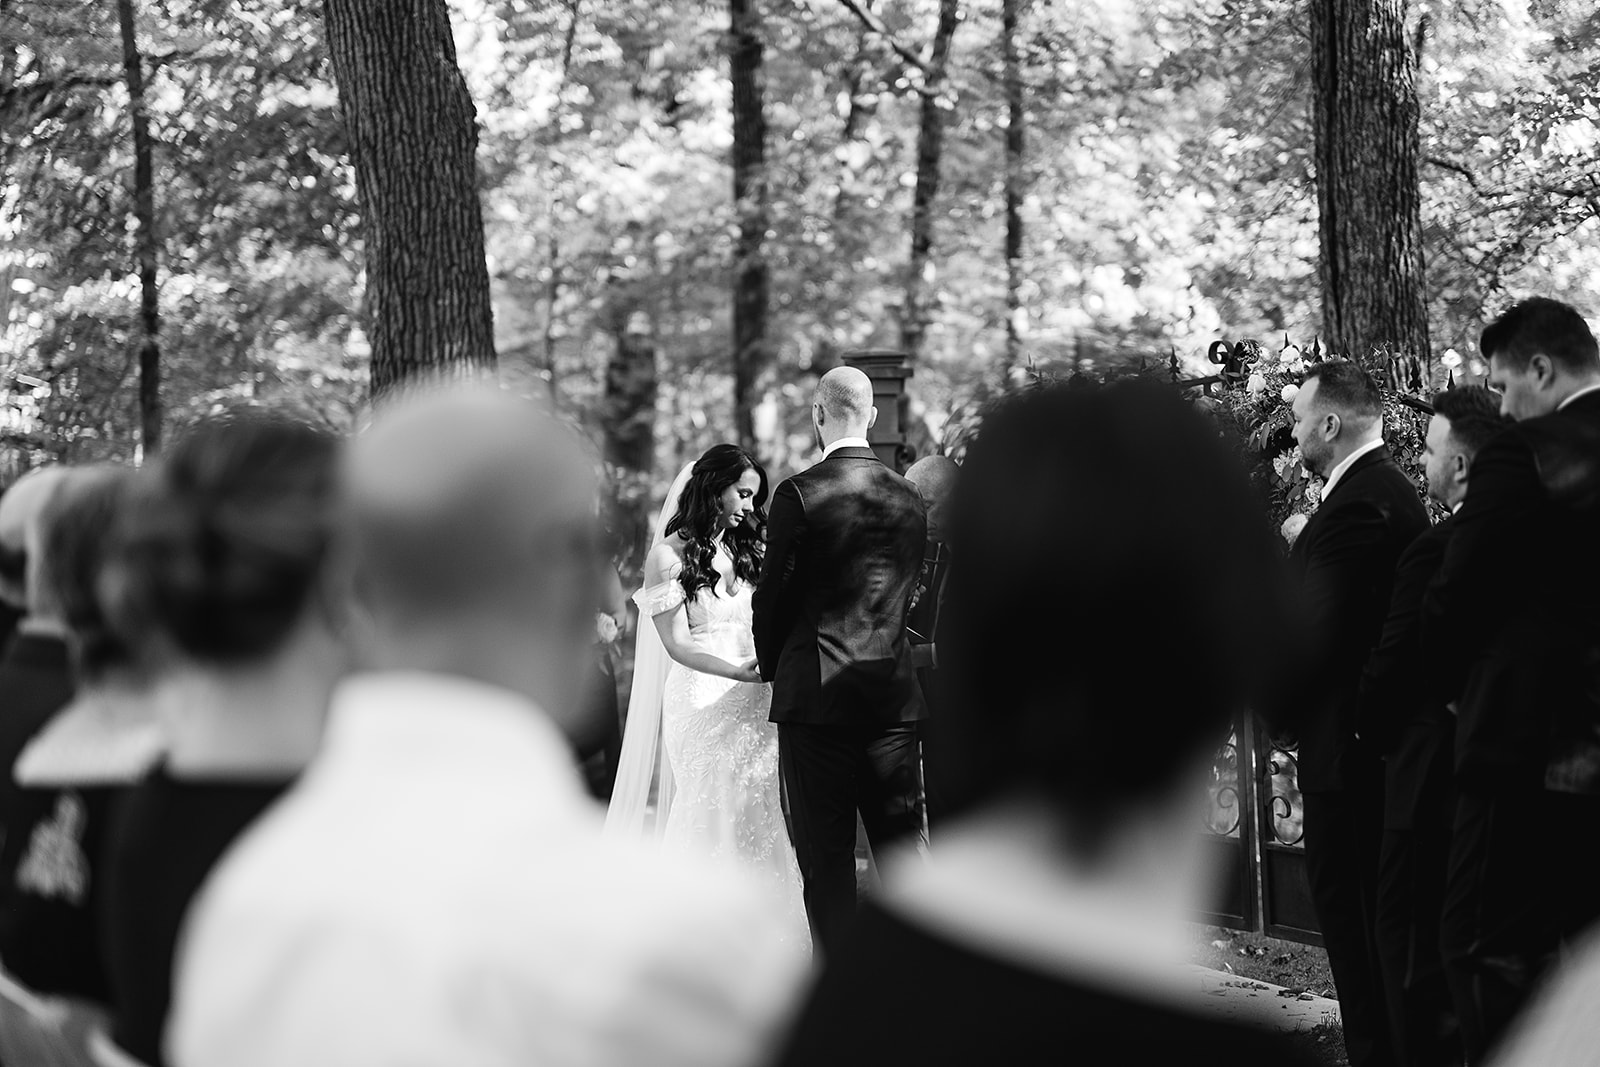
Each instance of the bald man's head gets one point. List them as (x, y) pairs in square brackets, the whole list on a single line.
[(472, 522), (843, 406), (22, 511), (934, 477)]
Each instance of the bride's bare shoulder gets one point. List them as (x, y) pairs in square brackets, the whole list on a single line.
[(665, 559)]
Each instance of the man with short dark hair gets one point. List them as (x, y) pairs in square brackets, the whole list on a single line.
[(1403, 718), (1512, 628), (1345, 560)]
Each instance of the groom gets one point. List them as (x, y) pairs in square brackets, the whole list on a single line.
[(844, 550)]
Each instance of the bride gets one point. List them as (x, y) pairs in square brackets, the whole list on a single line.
[(697, 718)]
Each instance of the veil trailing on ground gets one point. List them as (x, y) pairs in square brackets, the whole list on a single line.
[(644, 757)]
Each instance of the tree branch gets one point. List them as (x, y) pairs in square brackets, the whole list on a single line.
[(1456, 168), (875, 25)]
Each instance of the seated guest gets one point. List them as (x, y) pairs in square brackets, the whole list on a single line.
[(435, 889), (50, 884), (1402, 717), (1560, 1027), (108, 735), (1110, 552), (216, 579)]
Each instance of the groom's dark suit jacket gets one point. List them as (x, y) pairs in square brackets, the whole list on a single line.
[(1345, 559), (1512, 623), (844, 551)]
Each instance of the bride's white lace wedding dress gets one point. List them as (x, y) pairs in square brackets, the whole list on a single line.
[(722, 751)]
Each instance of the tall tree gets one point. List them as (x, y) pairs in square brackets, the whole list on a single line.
[(751, 353), (930, 149), (1365, 116), (1010, 11), (628, 418), (146, 240), (414, 139)]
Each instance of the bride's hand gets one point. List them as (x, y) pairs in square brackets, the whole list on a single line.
[(749, 672)]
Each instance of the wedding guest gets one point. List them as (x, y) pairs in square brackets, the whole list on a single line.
[(1560, 1027), (1050, 922), (108, 735), (1345, 561), (1512, 625), (50, 877), (217, 577), (436, 889), (934, 478), (1402, 717)]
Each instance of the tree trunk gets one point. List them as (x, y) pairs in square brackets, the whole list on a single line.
[(146, 240), (930, 147), (552, 290), (1015, 182), (628, 422), (1365, 111), (751, 354), (413, 139)]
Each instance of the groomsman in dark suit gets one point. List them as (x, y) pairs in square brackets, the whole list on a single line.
[(1345, 560), (1401, 716), (1512, 625), (934, 478), (845, 544)]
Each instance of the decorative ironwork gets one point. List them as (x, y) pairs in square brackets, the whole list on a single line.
[(1285, 810), (1224, 809)]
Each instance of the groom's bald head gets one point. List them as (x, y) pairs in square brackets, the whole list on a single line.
[(843, 405)]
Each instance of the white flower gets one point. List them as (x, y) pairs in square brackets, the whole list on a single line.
[(1256, 384), (1290, 391), (1295, 365), (1451, 358), (1292, 526), (606, 628)]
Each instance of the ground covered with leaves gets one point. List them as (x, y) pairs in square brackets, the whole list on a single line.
[(1297, 967)]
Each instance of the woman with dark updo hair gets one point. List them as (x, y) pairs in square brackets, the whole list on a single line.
[(218, 577), (697, 718)]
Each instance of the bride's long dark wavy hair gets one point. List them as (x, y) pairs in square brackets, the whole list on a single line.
[(698, 515)]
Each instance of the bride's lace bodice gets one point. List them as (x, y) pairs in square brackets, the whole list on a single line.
[(720, 622)]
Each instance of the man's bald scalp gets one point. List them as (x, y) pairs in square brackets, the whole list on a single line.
[(455, 496), (845, 395), (934, 476)]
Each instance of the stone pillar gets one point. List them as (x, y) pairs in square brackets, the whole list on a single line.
[(889, 372)]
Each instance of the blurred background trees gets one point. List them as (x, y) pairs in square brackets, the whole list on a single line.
[(1165, 189)]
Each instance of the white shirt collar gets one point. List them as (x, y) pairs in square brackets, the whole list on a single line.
[(1345, 464), (1585, 391), (845, 442)]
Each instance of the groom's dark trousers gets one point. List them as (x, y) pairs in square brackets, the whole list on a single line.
[(844, 550), (1345, 560)]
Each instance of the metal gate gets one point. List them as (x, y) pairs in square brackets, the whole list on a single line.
[(1254, 820)]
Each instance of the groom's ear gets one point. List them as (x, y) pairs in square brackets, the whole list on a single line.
[(818, 415), (872, 419)]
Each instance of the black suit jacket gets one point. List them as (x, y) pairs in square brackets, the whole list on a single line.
[(1345, 560), (1512, 623), (844, 551), (1398, 712)]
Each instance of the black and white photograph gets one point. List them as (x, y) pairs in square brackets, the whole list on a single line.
[(799, 533)]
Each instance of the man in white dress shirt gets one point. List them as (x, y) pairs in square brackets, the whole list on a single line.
[(436, 890)]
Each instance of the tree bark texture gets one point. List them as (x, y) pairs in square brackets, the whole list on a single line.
[(628, 421), (930, 148), (1365, 113), (414, 139), (146, 240), (751, 354), (1015, 179)]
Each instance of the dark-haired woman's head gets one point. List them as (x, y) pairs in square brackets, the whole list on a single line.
[(1116, 590), (222, 553), (725, 498), (83, 522)]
